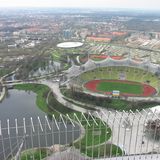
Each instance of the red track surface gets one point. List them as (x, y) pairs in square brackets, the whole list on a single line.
[(147, 89), (102, 57), (105, 56)]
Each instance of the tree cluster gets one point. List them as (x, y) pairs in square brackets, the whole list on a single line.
[(153, 128)]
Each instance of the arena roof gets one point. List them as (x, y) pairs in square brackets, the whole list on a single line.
[(69, 44)]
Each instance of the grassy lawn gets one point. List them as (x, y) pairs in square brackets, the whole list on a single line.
[(4, 72), (82, 106), (94, 134), (58, 107), (37, 154), (122, 87), (56, 55), (91, 137), (106, 149)]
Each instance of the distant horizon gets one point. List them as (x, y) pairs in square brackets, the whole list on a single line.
[(83, 8), (144, 5)]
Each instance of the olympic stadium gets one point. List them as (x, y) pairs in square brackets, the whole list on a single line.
[(127, 72)]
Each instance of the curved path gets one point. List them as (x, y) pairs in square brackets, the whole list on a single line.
[(136, 157), (3, 92), (54, 86), (127, 139), (130, 140)]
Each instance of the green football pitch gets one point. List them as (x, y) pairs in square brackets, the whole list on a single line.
[(109, 86)]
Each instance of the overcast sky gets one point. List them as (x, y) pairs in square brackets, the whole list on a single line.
[(134, 4)]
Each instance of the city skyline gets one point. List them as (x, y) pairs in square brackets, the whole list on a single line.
[(126, 4)]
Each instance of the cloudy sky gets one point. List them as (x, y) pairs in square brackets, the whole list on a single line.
[(134, 4)]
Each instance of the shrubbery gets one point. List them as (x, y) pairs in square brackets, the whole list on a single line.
[(110, 103)]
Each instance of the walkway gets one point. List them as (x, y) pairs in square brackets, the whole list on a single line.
[(129, 139), (3, 92), (135, 157)]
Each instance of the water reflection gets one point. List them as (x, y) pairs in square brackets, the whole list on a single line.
[(17, 109)]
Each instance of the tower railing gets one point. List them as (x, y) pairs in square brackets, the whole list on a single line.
[(102, 134)]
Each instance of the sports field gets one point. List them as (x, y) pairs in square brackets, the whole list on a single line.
[(126, 88), (129, 81), (123, 87)]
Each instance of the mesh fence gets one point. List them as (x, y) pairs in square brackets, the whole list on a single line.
[(98, 135)]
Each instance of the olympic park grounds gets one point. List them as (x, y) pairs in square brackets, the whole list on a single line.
[(130, 81)]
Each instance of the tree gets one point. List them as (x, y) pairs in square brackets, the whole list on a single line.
[(153, 128)]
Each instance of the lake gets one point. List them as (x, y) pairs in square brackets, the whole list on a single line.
[(40, 132)]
